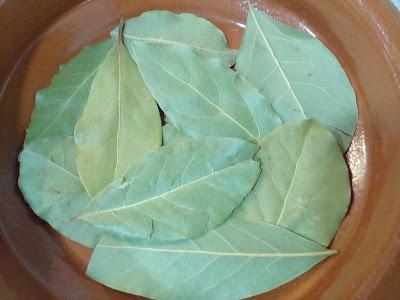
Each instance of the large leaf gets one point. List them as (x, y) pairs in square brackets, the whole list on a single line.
[(50, 184), (237, 260), (202, 96), (59, 106), (298, 74), (119, 125), (304, 185), (181, 190), (178, 30), (48, 177)]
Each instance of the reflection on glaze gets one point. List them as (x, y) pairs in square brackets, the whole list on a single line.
[(357, 158)]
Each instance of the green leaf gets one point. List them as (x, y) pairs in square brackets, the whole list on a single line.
[(48, 177), (51, 186), (203, 96), (240, 259), (120, 123), (59, 106), (298, 74), (304, 185), (181, 190), (171, 134), (178, 30)]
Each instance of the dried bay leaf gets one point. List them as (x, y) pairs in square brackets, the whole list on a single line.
[(181, 190), (202, 96), (178, 30), (237, 260), (52, 188), (48, 177), (304, 185), (298, 74), (119, 125), (59, 106)]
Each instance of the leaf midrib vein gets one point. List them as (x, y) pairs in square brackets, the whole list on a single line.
[(84, 216), (119, 112), (161, 41), (293, 178), (269, 48), (217, 253)]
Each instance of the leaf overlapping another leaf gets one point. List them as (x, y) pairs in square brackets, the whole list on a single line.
[(236, 260), (59, 106), (202, 96), (48, 177), (176, 31), (119, 125), (304, 185), (181, 190), (298, 74), (52, 188)]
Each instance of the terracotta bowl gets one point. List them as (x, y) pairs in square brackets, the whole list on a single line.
[(37, 36)]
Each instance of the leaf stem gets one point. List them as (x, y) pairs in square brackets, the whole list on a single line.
[(121, 31)]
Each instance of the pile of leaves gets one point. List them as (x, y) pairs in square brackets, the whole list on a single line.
[(240, 191)]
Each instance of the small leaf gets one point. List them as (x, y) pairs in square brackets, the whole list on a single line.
[(240, 259), (181, 190), (304, 185), (171, 134), (119, 125), (298, 74), (59, 106), (51, 186), (178, 30), (202, 96)]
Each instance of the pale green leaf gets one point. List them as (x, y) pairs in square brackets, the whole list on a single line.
[(240, 259), (171, 134), (51, 186), (304, 185), (48, 177), (59, 106), (298, 74), (181, 190), (119, 125), (178, 30), (202, 96)]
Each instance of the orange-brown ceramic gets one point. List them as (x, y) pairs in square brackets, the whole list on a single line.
[(37, 36)]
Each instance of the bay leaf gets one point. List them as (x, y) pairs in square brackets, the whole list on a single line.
[(50, 184), (304, 185), (237, 260), (298, 74), (181, 190), (171, 134), (177, 30), (203, 96), (120, 123), (48, 178), (59, 106)]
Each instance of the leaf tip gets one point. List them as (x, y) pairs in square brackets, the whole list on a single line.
[(332, 252), (249, 5)]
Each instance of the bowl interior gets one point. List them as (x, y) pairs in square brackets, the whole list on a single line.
[(53, 265)]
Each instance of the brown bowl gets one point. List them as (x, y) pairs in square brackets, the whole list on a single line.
[(37, 36)]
